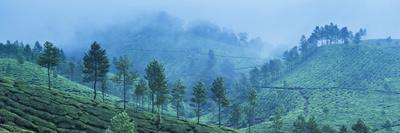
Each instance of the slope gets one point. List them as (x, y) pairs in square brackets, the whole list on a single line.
[(348, 82), (37, 75), (39, 109)]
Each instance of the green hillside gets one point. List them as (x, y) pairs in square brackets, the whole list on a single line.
[(38, 109), (37, 75), (364, 83)]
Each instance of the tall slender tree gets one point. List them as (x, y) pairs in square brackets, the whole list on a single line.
[(124, 75), (219, 96), (140, 91), (178, 92), (250, 110), (95, 65), (199, 98), (49, 58), (157, 83)]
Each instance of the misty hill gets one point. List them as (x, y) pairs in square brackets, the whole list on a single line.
[(190, 51), (345, 81), (39, 109)]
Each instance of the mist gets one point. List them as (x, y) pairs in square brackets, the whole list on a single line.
[(278, 23)]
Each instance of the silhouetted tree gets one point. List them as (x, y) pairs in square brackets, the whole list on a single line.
[(358, 36), (124, 75), (199, 98), (157, 83), (219, 96), (95, 65), (140, 91), (49, 58), (178, 92)]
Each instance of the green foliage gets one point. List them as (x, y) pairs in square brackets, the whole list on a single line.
[(178, 92), (360, 127), (121, 123), (155, 76), (199, 98), (49, 58), (95, 65)]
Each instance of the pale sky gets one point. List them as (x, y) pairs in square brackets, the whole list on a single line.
[(280, 23)]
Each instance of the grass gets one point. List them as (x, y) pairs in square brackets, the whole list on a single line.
[(366, 75), (38, 109)]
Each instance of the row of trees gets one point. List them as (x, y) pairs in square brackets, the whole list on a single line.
[(301, 125), (321, 35)]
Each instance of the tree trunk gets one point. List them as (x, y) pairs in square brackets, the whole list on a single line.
[(152, 103), (124, 91), (177, 110), (142, 103), (198, 113), (48, 76), (94, 84), (103, 91), (219, 115)]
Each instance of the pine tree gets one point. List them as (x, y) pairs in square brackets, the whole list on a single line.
[(360, 127), (95, 65), (157, 83), (28, 52), (121, 123), (251, 106), (124, 75), (140, 91), (178, 92), (219, 96), (49, 58), (199, 98)]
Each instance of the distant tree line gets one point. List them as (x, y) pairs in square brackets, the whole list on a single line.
[(321, 35)]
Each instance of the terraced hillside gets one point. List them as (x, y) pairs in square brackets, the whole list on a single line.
[(340, 83), (37, 75), (38, 109)]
